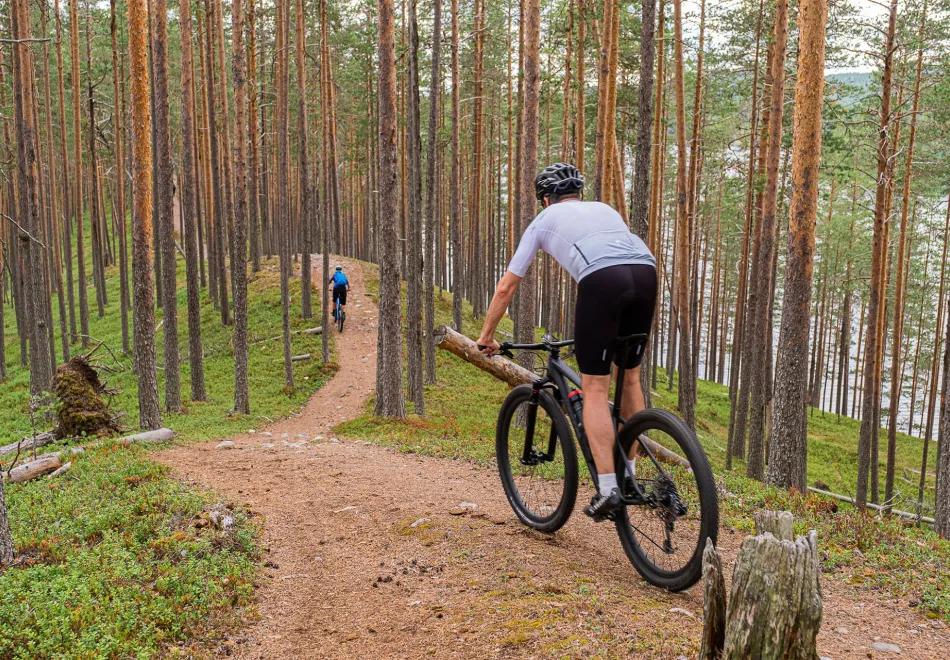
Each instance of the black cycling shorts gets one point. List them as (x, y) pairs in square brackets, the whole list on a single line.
[(613, 302), (339, 292)]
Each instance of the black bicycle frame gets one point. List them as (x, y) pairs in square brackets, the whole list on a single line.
[(558, 377)]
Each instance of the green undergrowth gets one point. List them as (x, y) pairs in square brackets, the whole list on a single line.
[(199, 420), (867, 551), (117, 559)]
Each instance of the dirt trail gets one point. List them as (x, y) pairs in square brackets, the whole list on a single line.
[(370, 555)]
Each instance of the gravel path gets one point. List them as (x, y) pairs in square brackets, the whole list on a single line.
[(375, 553)]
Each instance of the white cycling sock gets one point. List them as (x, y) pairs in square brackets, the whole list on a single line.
[(607, 482)]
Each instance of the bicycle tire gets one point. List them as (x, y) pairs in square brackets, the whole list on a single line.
[(549, 523), (666, 422), (340, 317)]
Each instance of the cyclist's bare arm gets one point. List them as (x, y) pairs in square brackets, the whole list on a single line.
[(504, 292)]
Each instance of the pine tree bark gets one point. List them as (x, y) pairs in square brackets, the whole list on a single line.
[(165, 222), (77, 210), (303, 159), (942, 503), (283, 182), (529, 164), (687, 382), (389, 398), (433, 187), (143, 315), (456, 202), (414, 274), (242, 399), (898, 323), (869, 421), (189, 216), (121, 229), (254, 206), (788, 447), (35, 293)]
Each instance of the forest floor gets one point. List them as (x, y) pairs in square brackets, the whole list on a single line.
[(368, 553)]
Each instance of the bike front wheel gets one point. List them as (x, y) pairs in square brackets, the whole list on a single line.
[(537, 459), (664, 534)]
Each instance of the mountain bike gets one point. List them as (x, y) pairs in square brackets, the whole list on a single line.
[(670, 498), (339, 315)]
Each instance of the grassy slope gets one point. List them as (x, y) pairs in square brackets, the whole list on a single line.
[(112, 562), (864, 551)]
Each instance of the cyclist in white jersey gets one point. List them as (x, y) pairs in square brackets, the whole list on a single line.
[(616, 296)]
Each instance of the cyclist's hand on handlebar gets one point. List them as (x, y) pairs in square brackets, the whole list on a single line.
[(488, 346)]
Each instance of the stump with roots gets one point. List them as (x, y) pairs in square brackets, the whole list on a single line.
[(774, 609), (81, 408)]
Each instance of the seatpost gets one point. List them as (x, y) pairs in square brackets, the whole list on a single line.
[(618, 389)]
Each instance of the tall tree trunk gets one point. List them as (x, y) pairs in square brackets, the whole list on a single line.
[(869, 420), (78, 216), (389, 397), (35, 293), (242, 403), (64, 164), (456, 202), (121, 230), (433, 189), (735, 446), (254, 201), (898, 322), (143, 314), (687, 382), (303, 159), (414, 273), (640, 193), (934, 367), (283, 176), (532, 41), (788, 447), (189, 218), (165, 221)]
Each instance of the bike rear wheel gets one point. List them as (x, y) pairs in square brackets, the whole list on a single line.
[(665, 535), (340, 317), (537, 459)]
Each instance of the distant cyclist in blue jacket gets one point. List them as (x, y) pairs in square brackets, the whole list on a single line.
[(340, 286)]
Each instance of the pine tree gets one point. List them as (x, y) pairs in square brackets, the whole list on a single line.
[(143, 301), (389, 398), (788, 447)]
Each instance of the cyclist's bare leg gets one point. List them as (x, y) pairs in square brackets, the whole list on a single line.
[(633, 400), (598, 422)]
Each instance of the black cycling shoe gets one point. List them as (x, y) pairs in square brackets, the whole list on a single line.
[(603, 507)]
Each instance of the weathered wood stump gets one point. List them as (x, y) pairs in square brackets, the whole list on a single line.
[(775, 607)]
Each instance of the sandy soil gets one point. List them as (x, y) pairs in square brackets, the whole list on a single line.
[(368, 553)]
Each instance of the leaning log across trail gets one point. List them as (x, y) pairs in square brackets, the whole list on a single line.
[(503, 369), (53, 462)]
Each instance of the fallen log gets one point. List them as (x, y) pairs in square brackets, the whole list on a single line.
[(907, 515), (51, 462), (503, 369), (29, 444), (43, 465)]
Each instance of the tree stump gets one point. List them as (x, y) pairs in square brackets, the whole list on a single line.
[(775, 606), (714, 604)]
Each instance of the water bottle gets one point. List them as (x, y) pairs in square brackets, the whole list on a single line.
[(576, 400)]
